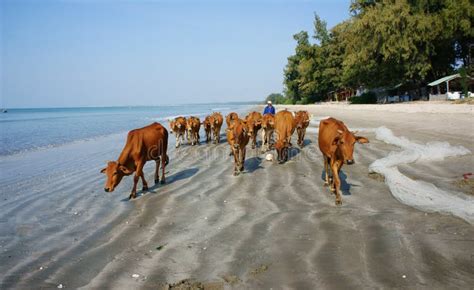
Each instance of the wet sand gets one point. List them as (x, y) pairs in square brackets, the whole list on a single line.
[(274, 226)]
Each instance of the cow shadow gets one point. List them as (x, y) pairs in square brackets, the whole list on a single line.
[(252, 164), (345, 187), (293, 152), (183, 174)]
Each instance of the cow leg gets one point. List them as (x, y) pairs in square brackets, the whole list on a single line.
[(336, 182), (177, 140), (198, 138), (139, 173), (163, 165), (157, 171), (236, 161), (242, 159), (264, 139), (326, 168), (133, 194)]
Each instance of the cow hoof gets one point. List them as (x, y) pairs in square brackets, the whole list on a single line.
[(157, 181), (177, 146), (236, 173), (163, 181), (145, 188), (338, 202), (132, 195), (253, 146), (326, 183)]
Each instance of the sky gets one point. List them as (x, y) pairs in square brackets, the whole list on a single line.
[(128, 53)]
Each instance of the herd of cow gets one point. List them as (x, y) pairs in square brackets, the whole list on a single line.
[(335, 141)]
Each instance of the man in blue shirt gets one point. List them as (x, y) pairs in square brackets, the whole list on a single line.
[(269, 109)]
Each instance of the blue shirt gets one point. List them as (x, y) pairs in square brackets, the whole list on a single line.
[(269, 110)]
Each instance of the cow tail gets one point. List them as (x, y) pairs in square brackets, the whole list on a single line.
[(167, 160)]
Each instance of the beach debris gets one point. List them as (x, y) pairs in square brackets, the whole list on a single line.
[(41, 268), (204, 248), (269, 157), (205, 217), (466, 175), (230, 279), (135, 275), (159, 248), (260, 269), (60, 286), (404, 276), (225, 201)]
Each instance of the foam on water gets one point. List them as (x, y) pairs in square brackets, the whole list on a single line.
[(419, 194)]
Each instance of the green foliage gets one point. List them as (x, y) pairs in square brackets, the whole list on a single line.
[(276, 99), (365, 98), (384, 43)]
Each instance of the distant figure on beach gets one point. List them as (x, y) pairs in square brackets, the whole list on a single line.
[(269, 109)]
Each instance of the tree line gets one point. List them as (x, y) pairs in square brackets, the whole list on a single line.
[(384, 43)]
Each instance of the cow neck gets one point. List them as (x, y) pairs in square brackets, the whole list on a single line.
[(124, 158)]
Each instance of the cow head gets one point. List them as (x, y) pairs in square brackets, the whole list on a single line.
[(252, 126), (238, 130), (172, 125), (268, 121), (345, 141), (281, 147), (214, 121), (302, 119), (114, 172)]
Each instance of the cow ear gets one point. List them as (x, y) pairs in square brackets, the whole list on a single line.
[(361, 140), (125, 170), (103, 170)]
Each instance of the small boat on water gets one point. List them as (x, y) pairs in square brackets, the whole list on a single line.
[(4, 110)]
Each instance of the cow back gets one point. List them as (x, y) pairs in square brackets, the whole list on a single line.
[(284, 124), (328, 132)]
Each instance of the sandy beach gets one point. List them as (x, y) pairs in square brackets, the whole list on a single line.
[(274, 226)]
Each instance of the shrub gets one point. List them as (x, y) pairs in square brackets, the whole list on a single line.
[(365, 98)]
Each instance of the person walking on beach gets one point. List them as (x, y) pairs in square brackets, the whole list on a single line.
[(269, 109)]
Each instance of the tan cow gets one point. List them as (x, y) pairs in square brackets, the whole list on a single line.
[(207, 127), (336, 143), (284, 128), (238, 138), (193, 124), (231, 117), (268, 125), (254, 123), (178, 127), (301, 123), (216, 120), (147, 143)]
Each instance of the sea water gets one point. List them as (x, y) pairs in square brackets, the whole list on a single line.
[(24, 130)]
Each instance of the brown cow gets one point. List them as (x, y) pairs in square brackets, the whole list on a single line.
[(193, 124), (207, 127), (336, 143), (178, 127), (147, 143), (231, 117), (238, 138), (268, 125), (284, 128), (216, 120), (301, 123), (254, 123)]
